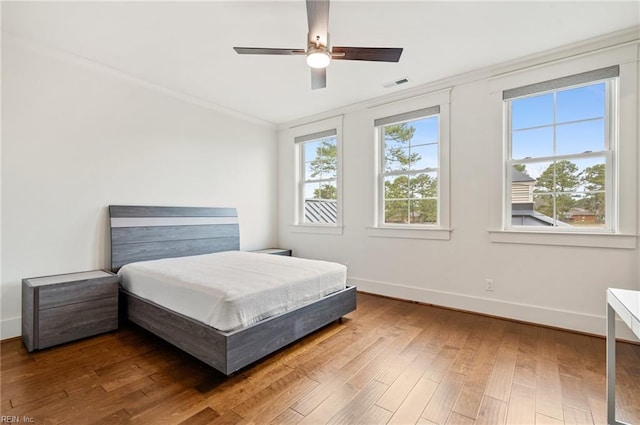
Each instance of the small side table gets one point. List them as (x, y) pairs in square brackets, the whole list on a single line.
[(626, 304), (274, 251), (62, 308)]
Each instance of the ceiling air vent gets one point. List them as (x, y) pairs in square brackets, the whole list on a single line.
[(399, 82)]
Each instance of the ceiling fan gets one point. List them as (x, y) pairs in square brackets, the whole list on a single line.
[(319, 54)]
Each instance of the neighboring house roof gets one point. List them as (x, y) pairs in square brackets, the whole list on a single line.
[(325, 211), (524, 215), (517, 176), (320, 211), (579, 211)]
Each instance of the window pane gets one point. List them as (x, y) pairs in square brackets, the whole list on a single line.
[(425, 156), (320, 205), (310, 150), (325, 190), (532, 143), (560, 176), (426, 130), (532, 111), (580, 137), (404, 142), (424, 211), (396, 211), (532, 194), (309, 173), (321, 159), (522, 185), (581, 103), (592, 174), (396, 158), (310, 190), (588, 210), (329, 170), (327, 157), (396, 135), (391, 140), (564, 203), (543, 212), (396, 187), (320, 212), (424, 185), (536, 169)]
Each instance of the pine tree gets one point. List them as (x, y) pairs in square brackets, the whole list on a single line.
[(407, 198), (324, 165), (559, 180)]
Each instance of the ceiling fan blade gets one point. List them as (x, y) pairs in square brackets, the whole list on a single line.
[(267, 51), (378, 54), (318, 78), (318, 19)]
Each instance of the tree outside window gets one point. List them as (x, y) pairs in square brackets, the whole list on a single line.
[(410, 171), (319, 180)]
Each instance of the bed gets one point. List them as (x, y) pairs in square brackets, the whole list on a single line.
[(194, 235)]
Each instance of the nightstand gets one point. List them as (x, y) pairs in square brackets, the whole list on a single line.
[(274, 251), (66, 307)]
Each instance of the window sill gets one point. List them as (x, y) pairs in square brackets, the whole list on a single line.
[(316, 229), (408, 232), (594, 240)]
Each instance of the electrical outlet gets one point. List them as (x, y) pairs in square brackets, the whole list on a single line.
[(491, 286)]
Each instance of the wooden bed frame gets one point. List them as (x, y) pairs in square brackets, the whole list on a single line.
[(140, 233)]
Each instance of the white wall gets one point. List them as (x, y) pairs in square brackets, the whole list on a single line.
[(558, 286), (77, 137)]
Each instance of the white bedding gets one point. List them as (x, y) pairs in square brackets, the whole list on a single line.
[(233, 289)]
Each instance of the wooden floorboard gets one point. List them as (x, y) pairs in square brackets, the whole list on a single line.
[(389, 362)]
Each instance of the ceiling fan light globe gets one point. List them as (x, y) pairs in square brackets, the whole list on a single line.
[(318, 59)]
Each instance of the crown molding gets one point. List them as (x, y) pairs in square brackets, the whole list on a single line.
[(64, 55)]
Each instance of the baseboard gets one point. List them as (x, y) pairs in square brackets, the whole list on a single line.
[(10, 328), (570, 320)]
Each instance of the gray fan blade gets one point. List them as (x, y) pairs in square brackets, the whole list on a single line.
[(318, 78), (267, 51), (318, 19)]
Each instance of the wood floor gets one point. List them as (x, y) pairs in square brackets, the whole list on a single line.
[(389, 362)]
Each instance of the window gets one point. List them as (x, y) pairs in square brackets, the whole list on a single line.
[(318, 178), (560, 153), (409, 168)]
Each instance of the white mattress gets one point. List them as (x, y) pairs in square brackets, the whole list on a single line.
[(233, 289)]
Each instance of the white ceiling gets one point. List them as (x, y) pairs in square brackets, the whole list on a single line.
[(187, 46)]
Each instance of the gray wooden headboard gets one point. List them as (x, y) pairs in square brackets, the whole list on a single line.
[(140, 233)]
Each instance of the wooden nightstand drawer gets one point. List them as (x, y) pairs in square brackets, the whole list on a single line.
[(77, 292), (63, 308), (75, 321)]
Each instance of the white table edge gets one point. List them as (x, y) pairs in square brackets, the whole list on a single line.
[(615, 304)]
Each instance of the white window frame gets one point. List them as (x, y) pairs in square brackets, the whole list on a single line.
[(409, 110), (624, 235), (307, 133), (609, 152)]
